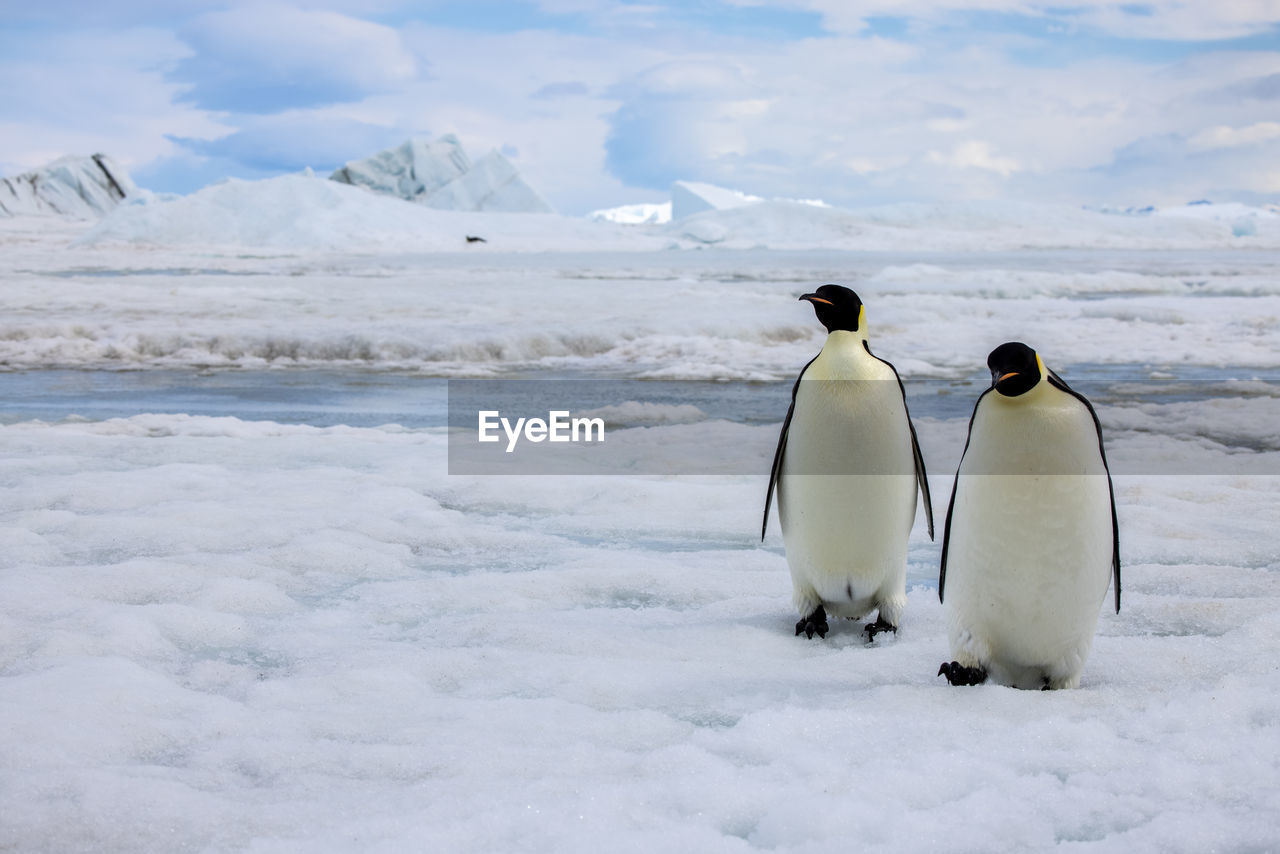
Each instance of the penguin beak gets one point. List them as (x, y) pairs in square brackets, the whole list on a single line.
[(997, 377), (816, 298)]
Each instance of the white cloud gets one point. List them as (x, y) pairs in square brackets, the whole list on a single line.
[(1189, 20), (267, 58), (1223, 136), (94, 91), (685, 78), (947, 125), (976, 154), (602, 120), (1182, 20)]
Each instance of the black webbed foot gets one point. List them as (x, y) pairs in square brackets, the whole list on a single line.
[(958, 674), (880, 625), (815, 623)]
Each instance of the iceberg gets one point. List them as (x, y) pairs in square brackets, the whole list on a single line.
[(72, 186), (644, 213), (440, 175), (1218, 211), (691, 197), (491, 184), (412, 171)]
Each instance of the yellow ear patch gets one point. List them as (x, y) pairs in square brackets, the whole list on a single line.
[(862, 315), (1040, 365)]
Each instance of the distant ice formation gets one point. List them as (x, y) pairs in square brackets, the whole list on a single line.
[(638, 214), (302, 212), (81, 187), (440, 175), (970, 226), (688, 198), (691, 197)]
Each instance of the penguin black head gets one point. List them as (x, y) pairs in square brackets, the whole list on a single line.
[(837, 307), (1015, 368)]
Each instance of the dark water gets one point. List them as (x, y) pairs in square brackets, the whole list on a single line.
[(329, 398), (317, 398)]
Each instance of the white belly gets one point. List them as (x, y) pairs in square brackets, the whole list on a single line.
[(1029, 555), (1028, 565), (847, 496)]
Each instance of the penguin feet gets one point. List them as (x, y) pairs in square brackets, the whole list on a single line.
[(958, 674), (880, 625), (814, 623)]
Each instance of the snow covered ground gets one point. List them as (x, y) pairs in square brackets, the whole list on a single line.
[(253, 633)]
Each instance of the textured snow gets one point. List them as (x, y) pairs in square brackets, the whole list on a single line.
[(80, 187), (249, 635), (440, 175), (971, 226), (475, 311), (223, 634)]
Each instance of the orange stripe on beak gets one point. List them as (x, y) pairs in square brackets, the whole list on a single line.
[(819, 299), (1004, 377)]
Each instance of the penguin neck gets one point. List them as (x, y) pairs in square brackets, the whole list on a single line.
[(845, 355), (1038, 393), (843, 339)]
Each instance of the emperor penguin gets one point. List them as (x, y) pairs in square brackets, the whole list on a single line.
[(846, 472), (1031, 538)]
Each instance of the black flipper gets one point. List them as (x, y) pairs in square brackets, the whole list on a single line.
[(946, 530), (776, 471), (922, 477), (1058, 383)]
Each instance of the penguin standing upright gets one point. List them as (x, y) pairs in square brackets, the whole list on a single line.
[(846, 472), (1031, 537)]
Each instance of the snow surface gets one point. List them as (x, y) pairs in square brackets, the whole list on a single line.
[(440, 175), (185, 294), (222, 634), (80, 187), (984, 226)]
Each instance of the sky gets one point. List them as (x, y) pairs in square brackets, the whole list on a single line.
[(602, 102)]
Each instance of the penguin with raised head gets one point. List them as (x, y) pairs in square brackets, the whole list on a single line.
[(846, 472), (1031, 538)]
